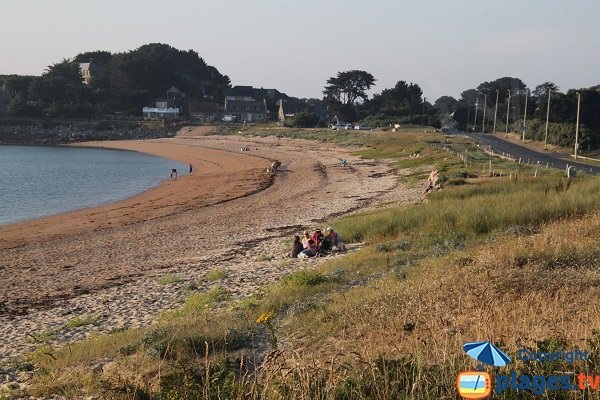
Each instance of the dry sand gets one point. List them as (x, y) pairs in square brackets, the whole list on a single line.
[(106, 262)]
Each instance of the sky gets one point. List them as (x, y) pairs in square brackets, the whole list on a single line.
[(295, 46)]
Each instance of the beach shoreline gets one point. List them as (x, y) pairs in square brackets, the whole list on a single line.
[(228, 221), (131, 210)]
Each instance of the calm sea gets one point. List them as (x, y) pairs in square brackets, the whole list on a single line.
[(36, 181)]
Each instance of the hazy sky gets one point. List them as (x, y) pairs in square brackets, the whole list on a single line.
[(294, 46)]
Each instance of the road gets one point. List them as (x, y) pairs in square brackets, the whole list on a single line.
[(528, 155)]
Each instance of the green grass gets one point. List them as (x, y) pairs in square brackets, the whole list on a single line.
[(201, 301), (170, 279), (470, 211), (81, 321), (217, 274)]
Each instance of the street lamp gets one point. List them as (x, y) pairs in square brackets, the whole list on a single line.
[(525, 114), (507, 112), (484, 106), (547, 119), (468, 112), (496, 110), (476, 108), (577, 125)]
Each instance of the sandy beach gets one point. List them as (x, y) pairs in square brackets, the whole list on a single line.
[(106, 262)]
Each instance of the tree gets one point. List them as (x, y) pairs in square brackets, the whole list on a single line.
[(446, 105), (403, 99), (348, 87), (503, 86), (541, 91), (304, 119), (60, 83), (99, 57), (140, 76)]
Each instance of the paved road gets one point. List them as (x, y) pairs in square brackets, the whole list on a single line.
[(528, 155)]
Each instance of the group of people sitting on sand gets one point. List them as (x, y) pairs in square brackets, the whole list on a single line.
[(317, 244)]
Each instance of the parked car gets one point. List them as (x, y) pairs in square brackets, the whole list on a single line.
[(361, 127), (341, 125), (228, 118)]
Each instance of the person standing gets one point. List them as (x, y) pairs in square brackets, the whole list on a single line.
[(191, 168), (174, 173)]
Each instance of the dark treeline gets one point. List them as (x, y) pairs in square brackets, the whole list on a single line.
[(346, 96), (125, 82), (122, 83), (513, 93)]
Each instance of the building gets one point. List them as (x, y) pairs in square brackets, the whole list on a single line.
[(171, 107), (246, 108), (160, 113), (284, 113), (203, 111), (90, 70)]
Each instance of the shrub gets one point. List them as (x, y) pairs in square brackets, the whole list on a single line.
[(304, 278), (170, 278)]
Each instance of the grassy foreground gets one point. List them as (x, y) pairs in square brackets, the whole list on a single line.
[(512, 259)]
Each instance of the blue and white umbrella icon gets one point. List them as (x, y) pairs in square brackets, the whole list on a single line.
[(486, 353)]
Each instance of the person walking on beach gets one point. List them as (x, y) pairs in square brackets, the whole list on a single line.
[(174, 173), (191, 168)]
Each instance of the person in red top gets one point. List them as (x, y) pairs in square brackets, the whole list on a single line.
[(317, 237)]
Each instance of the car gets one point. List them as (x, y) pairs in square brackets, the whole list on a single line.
[(341, 125), (361, 127), (228, 118)]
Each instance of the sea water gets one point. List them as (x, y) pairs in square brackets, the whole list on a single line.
[(37, 181)]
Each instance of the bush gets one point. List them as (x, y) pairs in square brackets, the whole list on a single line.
[(304, 278), (304, 119)]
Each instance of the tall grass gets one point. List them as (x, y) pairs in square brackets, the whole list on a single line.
[(475, 209)]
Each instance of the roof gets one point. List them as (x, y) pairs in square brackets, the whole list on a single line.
[(203, 107), (230, 104), (90, 66), (241, 91)]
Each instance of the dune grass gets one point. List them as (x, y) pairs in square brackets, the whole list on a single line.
[(473, 210), (512, 260), (170, 279), (217, 274)]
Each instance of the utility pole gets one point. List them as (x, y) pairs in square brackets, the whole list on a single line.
[(577, 125), (525, 114), (547, 119), (484, 106), (496, 111), (476, 107), (507, 112), (468, 112)]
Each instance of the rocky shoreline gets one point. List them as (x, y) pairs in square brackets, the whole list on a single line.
[(49, 133)]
